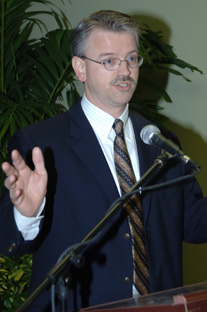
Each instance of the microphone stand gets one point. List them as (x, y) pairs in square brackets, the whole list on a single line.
[(60, 269)]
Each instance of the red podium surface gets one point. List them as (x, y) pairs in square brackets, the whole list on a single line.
[(184, 299)]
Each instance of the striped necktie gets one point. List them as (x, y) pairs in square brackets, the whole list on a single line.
[(133, 207)]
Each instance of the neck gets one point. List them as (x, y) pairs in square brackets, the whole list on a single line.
[(115, 111)]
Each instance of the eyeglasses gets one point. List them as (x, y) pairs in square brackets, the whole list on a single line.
[(114, 63)]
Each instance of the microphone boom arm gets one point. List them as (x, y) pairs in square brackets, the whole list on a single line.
[(61, 267)]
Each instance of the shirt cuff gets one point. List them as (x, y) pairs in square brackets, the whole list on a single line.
[(29, 226)]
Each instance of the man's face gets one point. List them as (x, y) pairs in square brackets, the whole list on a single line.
[(110, 90)]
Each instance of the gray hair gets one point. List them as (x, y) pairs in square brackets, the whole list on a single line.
[(105, 20)]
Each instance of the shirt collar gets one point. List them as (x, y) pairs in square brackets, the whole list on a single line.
[(101, 121)]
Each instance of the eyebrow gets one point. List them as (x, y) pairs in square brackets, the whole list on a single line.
[(113, 54)]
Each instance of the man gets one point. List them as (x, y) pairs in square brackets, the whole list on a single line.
[(73, 180)]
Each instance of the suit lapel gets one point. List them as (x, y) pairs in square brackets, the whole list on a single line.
[(88, 150)]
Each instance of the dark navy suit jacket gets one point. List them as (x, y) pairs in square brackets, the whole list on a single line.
[(80, 191)]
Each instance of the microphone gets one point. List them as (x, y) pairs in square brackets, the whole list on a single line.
[(151, 135)]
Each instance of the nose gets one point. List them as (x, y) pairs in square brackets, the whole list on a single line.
[(124, 67)]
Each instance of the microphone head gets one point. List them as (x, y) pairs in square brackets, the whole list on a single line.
[(147, 133)]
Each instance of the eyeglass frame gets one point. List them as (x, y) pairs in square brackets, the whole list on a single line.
[(116, 58)]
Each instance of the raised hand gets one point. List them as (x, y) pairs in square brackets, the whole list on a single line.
[(27, 187)]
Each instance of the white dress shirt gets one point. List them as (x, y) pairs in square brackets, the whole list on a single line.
[(102, 123)]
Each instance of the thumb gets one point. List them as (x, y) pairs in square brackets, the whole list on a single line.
[(38, 160)]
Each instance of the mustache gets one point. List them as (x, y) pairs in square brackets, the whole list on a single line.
[(122, 79)]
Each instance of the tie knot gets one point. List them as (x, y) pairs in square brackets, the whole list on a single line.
[(118, 126)]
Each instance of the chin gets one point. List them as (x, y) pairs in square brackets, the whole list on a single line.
[(125, 100)]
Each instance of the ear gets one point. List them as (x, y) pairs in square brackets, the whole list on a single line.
[(79, 68)]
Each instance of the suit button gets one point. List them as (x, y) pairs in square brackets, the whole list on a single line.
[(126, 236), (12, 247), (127, 280)]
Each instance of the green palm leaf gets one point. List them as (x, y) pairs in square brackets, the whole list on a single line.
[(159, 58)]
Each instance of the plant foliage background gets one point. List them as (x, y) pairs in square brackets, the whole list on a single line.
[(35, 73)]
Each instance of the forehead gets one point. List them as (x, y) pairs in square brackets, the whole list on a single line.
[(108, 42)]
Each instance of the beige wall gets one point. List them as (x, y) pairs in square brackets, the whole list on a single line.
[(184, 25)]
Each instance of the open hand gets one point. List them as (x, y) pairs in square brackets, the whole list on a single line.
[(27, 187)]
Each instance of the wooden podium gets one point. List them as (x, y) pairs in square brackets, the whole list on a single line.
[(184, 299)]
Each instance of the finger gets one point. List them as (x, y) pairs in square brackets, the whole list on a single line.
[(10, 182), (8, 169), (38, 161), (17, 160), (16, 197)]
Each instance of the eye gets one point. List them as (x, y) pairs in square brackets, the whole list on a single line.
[(132, 58), (108, 61)]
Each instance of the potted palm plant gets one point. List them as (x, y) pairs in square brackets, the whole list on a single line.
[(34, 73)]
